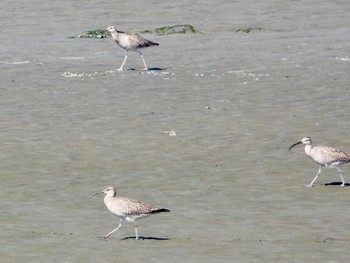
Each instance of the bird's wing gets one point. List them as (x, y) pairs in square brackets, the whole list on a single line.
[(333, 154), (133, 207), (139, 42)]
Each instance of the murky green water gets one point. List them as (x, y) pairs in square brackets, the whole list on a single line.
[(71, 125)]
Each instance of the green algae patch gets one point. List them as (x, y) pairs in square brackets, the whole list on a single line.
[(165, 30), (98, 34), (95, 34), (176, 29), (249, 29)]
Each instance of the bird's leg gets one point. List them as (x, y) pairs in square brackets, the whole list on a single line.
[(110, 233), (341, 176), (125, 58), (136, 233), (312, 182), (143, 60)]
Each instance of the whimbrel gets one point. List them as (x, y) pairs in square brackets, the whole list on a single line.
[(325, 156), (126, 208), (130, 41)]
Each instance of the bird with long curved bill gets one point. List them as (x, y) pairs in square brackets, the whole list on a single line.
[(325, 156), (130, 42), (126, 208)]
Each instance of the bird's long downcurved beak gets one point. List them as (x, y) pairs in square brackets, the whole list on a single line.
[(95, 194), (294, 145)]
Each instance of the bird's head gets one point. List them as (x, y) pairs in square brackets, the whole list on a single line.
[(305, 140)]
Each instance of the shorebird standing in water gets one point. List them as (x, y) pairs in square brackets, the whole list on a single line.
[(126, 208), (130, 41), (325, 156)]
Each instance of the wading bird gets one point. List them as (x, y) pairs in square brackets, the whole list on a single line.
[(126, 208), (130, 41), (325, 156)]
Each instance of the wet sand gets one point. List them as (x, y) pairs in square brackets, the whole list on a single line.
[(71, 125)]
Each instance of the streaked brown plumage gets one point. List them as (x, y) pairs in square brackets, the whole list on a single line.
[(130, 41), (325, 156), (126, 208)]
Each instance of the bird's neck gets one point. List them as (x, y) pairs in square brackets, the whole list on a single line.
[(117, 32), (110, 196), (115, 35), (308, 149), (107, 199)]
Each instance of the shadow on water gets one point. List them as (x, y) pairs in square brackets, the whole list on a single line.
[(157, 68), (140, 238), (147, 238), (154, 69), (336, 184)]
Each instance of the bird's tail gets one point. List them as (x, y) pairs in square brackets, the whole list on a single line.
[(160, 210), (150, 43)]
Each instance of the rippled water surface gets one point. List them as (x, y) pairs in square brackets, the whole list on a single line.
[(71, 125)]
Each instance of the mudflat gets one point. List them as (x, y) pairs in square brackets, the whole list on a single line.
[(205, 133)]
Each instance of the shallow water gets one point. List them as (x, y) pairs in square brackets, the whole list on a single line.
[(71, 125)]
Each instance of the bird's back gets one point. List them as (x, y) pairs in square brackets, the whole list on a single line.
[(130, 208), (132, 41), (327, 155)]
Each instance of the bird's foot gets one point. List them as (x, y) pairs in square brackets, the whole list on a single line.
[(106, 236), (119, 69), (342, 185), (309, 185)]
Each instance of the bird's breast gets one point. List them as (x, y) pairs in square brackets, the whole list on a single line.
[(123, 41), (113, 207)]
